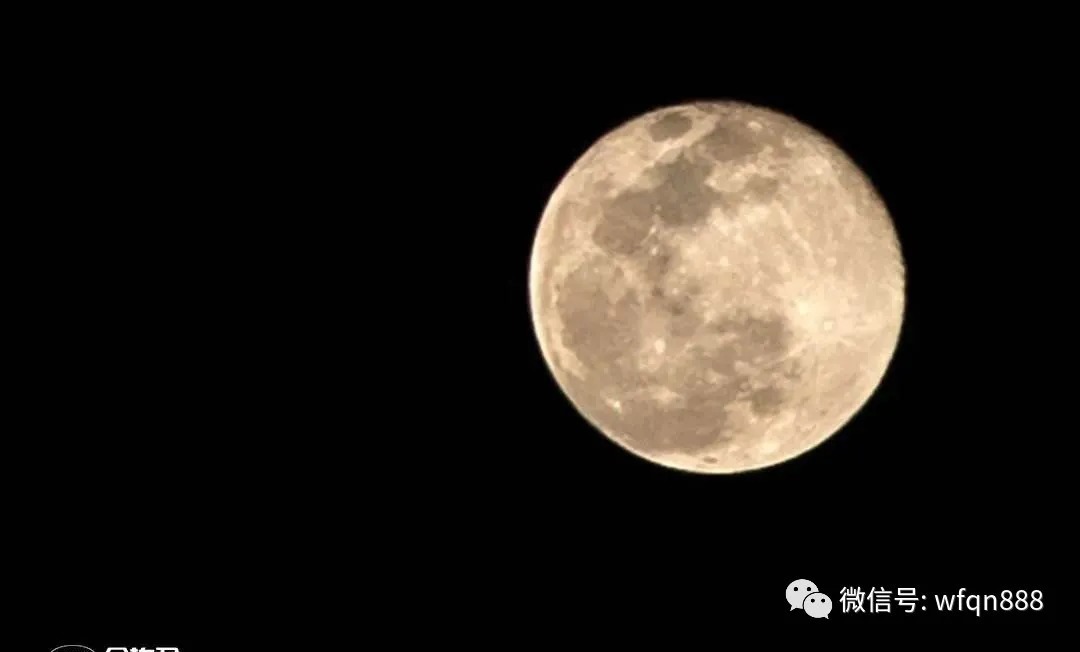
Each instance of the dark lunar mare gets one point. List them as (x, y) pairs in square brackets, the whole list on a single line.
[(672, 125), (605, 334)]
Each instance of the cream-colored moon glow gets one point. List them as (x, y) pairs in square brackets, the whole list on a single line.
[(716, 287)]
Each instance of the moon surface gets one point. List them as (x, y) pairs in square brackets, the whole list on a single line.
[(716, 287)]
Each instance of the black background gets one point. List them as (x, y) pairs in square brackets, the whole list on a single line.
[(199, 442), (953, 475)]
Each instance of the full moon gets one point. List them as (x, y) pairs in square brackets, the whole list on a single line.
[(716, 287)]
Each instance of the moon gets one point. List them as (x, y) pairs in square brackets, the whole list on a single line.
[(716, 287)]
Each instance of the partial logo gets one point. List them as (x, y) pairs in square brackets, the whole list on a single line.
[(83, 648), (804, 594)]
